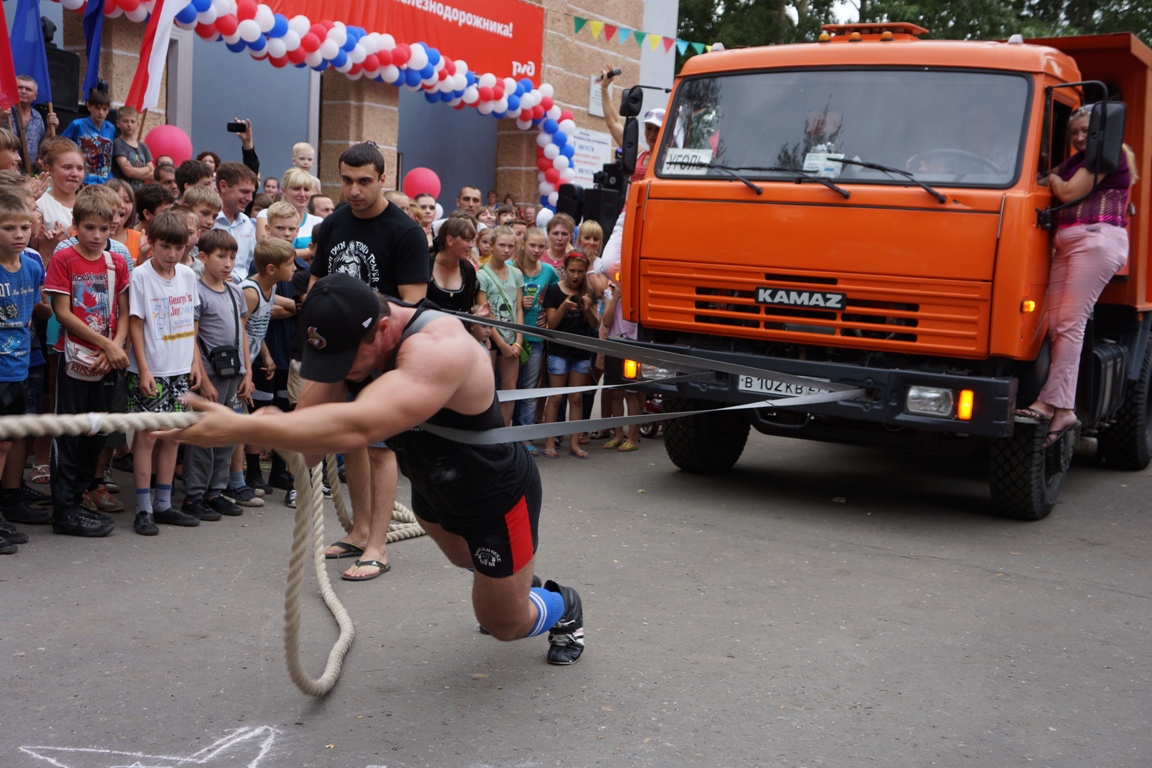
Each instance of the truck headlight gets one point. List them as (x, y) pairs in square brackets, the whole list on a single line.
[(655, 372), (930, 401)]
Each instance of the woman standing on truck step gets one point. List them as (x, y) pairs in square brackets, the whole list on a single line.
[(1091, 244)]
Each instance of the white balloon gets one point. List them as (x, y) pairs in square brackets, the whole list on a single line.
[(568, 174), (546, 188), (551, 151), (539, 176), (300, 25), (117, 12), (554, 113), (484, 107), (265, 18), (454, 102), (385, 42), (291, 40), (509, 86), (338, 34), (560, 162), (501, 105), (72, 5), (418, 59), (248, 30), (343, 68), (546, 89), (357, 54), (553, 198), (208, 16), (313, 59), (471, 95), (137, 14), (461, 66), (568, 126), (514, 114), (445, 85), (356, 75), (224, 7), (523, 124), (543, 139), (369, 43), (232, 39), (389, 73), (329, 49), (487, 80), (276, 48)]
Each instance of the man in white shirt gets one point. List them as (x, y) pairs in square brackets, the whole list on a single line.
[(237, 183)]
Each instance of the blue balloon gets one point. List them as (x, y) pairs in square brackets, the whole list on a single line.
[(525, 84), (470, 77), (301, 65), (412, 77), (201, 5), (237, 46), (279, 25), (544, 200), (513, 102), (340, 59), (551, 126), (187, 15), (321, 66), (431, 97), (568, 151), (499, 115), (258, 44), (351, 40), (428, 72), (433, 56), (559, 138)]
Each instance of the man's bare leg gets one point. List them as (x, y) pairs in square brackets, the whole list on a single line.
[(384, 477)]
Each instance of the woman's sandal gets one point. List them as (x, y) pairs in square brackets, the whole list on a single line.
[(1055, 435), (612, 444), (42, 474), (1031, 413), (578, 454), (626, 447), (549, 453)]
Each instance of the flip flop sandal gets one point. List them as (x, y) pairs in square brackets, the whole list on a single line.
[(1032, 414), (42, 474), (627, 447), (612, 445), (347, 550), (578, 454), (384, 568), (1055, 435), (532, 450), (549, 453)]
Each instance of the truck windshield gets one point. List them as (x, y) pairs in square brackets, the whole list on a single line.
[(944, 127)]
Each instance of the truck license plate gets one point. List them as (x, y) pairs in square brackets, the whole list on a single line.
[(772, 387)]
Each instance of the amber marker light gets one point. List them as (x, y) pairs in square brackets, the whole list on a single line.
[(964, 405), (631, 369), (1028, 306), (886, 37), (855, 37)]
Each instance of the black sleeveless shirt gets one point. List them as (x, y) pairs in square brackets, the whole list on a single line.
[(458, 480)]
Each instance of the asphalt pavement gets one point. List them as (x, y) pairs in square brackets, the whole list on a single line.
[(818, 606)]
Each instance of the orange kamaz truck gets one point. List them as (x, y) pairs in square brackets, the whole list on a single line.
[(872, 210)]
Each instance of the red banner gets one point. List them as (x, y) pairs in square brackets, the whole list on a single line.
[(504, 37)]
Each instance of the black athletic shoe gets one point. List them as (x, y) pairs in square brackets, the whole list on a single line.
[(224, 506), (566, 638), (255, 481), (244, 496), (175, 517), (145, 525), (22, 513), (7, 549), (199, 509), (536, 583), (284, 482), (10, 534), (32, 496), (81, 522)]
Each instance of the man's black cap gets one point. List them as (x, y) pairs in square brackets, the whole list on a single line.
[(338, 313)]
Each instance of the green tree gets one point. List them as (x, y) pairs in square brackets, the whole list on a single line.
[(744, 23)]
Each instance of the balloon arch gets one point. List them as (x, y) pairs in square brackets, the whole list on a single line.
[(246, 25)]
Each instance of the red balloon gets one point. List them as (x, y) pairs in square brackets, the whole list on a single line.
[(296, 55), (128, 5), (419, 181), (319, 30), (169, 140), (443, 75), (371, 62), (538, 111), (226, 24), (327, 25), (497, 92), (206, 31), (485, 93), (544, 164), (109, 7), (546, 103), (356, 68), (449, 66), (400, 54), (309, 43), (566, 115), (552, 175), (278, 61), (245, 9), (383, 57)]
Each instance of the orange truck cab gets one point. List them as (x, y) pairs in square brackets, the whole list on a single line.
[(869, 210)]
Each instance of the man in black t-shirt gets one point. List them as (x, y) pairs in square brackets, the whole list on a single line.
[(373, 240)]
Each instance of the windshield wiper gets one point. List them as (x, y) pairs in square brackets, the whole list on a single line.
[(898, 171), (802, 176), (730, 171)]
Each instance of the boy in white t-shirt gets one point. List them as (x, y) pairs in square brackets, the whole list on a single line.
[(162, 363)]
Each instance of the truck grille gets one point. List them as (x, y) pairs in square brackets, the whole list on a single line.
[(878, 312)]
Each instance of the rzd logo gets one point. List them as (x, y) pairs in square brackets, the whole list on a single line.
[(528, 68)]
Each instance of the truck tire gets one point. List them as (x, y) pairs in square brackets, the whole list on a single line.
[(705, 443), (1026, 479), (1127, 443)]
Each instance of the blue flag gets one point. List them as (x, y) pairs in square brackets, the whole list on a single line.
[(28, 54), (93, 31)]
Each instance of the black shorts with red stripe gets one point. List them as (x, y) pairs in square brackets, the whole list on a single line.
[(500, 545)]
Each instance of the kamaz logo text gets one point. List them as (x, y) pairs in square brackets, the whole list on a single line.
[(800, 298)]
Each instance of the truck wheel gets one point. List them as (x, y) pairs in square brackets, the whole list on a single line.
[(1127, 444), (1025, 478), (706, 443)]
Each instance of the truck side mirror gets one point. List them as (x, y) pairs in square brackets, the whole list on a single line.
[(1105, 137), (631, 102)]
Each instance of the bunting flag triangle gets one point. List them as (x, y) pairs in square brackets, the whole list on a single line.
[(654, 41), (708, 48), (578, 23), (698, 47), (609, 31), (681, 46), (597, 27), (639, 37), (668, 43), (625, 35)]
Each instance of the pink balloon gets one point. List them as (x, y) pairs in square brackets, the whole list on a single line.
[(169, 140), (419, 181)]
